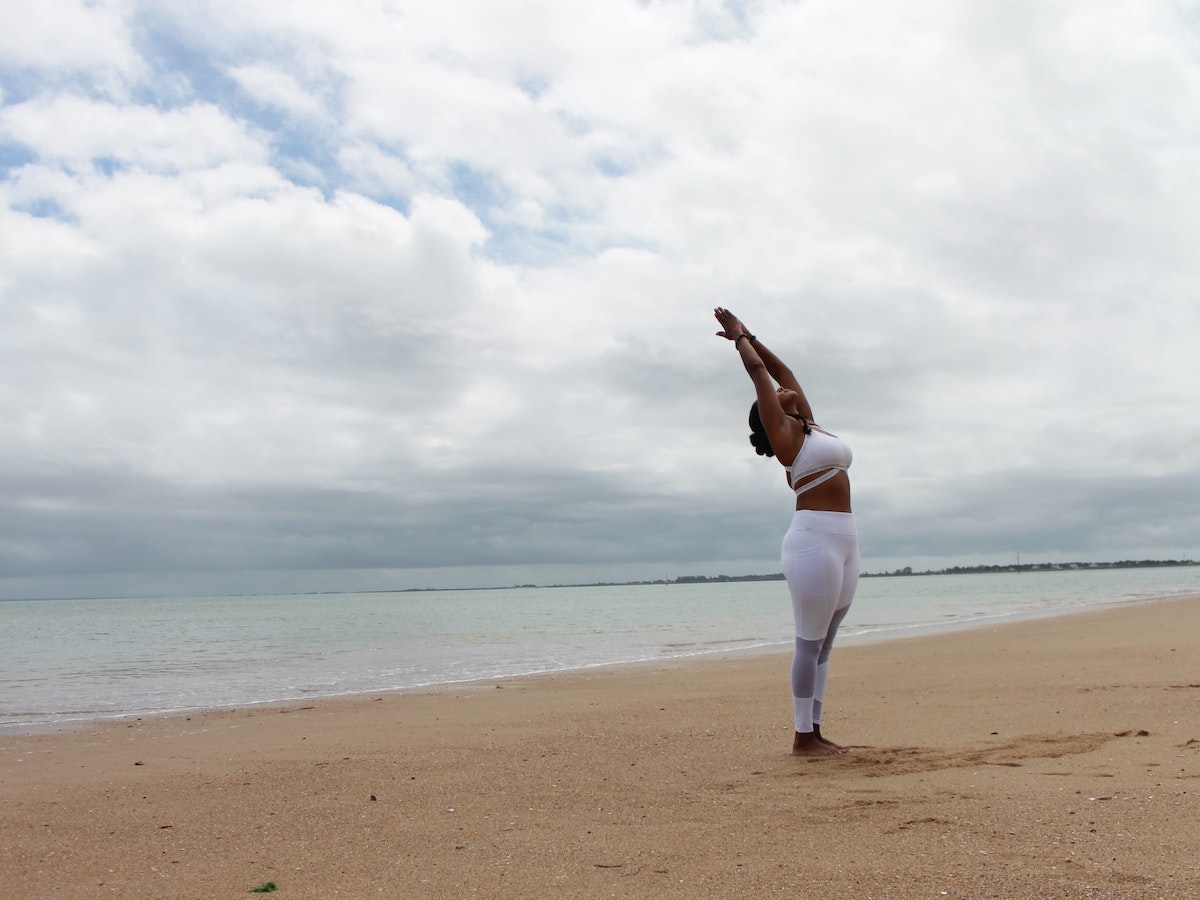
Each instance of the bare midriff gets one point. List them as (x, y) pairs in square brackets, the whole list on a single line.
[(830, 496)]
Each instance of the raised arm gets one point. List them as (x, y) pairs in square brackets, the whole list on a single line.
[(775, 366), (785, 433)]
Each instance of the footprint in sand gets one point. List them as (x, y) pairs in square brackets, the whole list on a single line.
[(874, 762)]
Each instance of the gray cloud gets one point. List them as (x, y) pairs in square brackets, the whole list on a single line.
[(381, 304)]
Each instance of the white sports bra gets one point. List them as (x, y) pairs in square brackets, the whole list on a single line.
[(820, 451)]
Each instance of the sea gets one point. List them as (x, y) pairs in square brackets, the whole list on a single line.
[(67, 663)]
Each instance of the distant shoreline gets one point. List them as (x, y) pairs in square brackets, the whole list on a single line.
[(711, 579), (778, 576)]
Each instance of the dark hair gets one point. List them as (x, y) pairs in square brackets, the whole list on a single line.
[(758, 434)]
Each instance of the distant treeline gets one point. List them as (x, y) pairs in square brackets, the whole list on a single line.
[(955, 570), (1037, 567), (907, 570), (698, 579)]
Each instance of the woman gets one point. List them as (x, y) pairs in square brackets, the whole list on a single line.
[(820, 550)]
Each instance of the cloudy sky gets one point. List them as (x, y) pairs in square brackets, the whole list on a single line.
[(371, 294)]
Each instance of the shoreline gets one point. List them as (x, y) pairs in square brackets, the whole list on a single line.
[(1052, 757), (979, 569), (886, 634)]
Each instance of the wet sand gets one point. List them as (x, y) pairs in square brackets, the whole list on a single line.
[(1045, 758)]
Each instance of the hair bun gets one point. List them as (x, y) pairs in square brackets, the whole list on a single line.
[(758, 434), (761, 445)]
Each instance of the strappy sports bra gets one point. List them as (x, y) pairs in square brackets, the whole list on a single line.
[(820, 451)]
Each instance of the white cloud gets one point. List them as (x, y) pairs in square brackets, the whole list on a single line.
[(75, 132), (65, 38), (279, 89), (968, 228)]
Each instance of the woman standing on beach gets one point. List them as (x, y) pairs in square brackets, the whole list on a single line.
[(820, 550)]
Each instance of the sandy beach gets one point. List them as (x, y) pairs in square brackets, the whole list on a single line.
[(1046, 758)]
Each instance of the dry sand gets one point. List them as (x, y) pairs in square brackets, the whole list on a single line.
[(1047, 758)]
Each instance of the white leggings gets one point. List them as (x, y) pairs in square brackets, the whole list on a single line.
[(820, 562)]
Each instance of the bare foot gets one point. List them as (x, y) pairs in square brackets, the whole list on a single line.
[(827, 742), (808, 744)]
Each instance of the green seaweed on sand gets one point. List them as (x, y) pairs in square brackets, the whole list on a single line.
[(267, 887)]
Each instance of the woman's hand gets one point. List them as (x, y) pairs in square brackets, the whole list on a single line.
[(731, 326)]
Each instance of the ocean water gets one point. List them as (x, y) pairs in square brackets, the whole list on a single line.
[(68, 662)]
